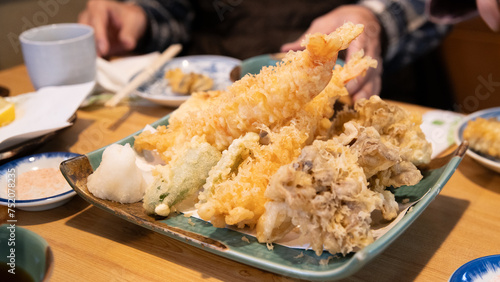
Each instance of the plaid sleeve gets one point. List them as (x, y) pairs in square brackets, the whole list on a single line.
[(169, 22), (407, 32)]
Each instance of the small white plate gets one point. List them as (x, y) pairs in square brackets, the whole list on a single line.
[(42, 112), (488, 161), (217, 68), (9, 181)]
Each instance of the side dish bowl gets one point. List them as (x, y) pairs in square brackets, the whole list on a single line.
[(11, 172)]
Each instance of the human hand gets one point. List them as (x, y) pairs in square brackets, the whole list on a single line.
[(369, 41), (117, 26), (489, 10)]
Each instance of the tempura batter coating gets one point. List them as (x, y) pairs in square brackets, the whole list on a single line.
[(330, 191), (269, 98), (183, 177), (326, 196), (240, 199), (396, 126)]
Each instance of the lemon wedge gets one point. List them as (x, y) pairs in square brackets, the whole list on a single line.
[(7, 112)]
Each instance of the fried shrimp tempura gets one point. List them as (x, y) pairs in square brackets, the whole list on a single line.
[(269, 98), (239, 199)]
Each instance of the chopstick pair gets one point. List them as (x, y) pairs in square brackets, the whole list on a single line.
[(144, 75)]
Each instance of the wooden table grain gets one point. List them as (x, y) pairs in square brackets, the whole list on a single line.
[(89, 244)]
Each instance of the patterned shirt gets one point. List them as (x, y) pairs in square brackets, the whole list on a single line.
[(406, 35)]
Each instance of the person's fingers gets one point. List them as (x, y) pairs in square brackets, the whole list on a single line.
[(295, 45), (133, 26), (292, 46), (368, 86), (489, 11), (83, 17), (97, 17)]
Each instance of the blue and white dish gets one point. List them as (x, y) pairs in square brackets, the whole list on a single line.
[(217, 68), (487, 161), (9, 176), (481, 269)]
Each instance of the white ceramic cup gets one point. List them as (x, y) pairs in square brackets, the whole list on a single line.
[(59, 54)]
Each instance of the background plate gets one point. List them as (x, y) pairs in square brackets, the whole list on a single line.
[(228, 243), (488, 161), (217, 68)]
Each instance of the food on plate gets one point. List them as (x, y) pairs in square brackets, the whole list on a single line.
[(238, 197), (269, 98), (397, 127), (117, 178), (40, 183), (331, 189), (187, 83), (7, 112), (184, 176), (271, 154), (248, 106), (484, 135)]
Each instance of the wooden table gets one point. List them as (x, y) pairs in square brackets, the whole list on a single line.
[(89, 244)]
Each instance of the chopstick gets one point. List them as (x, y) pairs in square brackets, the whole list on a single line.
[(143, 76)]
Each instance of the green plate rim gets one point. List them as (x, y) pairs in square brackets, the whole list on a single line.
[(337, 268)]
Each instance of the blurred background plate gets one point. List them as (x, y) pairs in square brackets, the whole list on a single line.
[(217, 68), (487, 161)]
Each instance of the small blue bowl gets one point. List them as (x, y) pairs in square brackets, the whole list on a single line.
[(10, 172), (485, 267)]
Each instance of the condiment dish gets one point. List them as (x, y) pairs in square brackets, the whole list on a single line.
[(35, 183)]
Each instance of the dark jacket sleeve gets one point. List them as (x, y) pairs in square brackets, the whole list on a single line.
[(169, 22)]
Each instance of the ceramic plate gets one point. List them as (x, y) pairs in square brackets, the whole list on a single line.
[(42, 112), (253, 65), (481, 269), (41, 200), (217, 68), (488, 161), (297, 263)]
